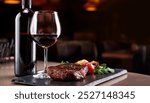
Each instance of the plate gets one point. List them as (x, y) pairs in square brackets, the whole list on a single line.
[(90, 80)]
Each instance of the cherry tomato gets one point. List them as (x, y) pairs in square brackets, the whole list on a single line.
[(90, 68)]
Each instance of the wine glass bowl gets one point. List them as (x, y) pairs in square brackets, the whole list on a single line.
[(44, 30)]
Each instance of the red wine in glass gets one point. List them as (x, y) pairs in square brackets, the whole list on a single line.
[(46, 40)]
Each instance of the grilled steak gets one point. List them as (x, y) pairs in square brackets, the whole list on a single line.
[(67, 72)]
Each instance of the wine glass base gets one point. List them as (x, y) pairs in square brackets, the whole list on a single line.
[(41, 75)]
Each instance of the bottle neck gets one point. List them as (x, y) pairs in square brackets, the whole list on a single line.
[(26, 4)]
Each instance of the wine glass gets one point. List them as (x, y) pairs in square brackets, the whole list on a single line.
[(45, 29)]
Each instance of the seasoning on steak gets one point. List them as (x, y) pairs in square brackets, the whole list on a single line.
[(67, 72)]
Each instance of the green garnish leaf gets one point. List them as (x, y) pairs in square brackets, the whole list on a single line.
[(110, 70), (64, 62), (103, 69)]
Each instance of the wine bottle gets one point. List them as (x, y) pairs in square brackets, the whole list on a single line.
[(25, 48)]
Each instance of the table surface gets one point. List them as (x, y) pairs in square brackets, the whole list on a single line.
[(130, 79)]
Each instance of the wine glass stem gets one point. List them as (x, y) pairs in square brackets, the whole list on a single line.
[(45, 59)]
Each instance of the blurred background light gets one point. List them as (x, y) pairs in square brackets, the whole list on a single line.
[(12, 1), (92, 5)]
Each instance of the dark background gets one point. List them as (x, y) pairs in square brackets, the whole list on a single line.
[(114, 19)]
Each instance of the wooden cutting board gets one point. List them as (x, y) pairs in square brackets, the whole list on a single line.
[(90, 80)]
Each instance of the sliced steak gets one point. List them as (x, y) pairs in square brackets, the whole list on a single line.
[(67, 72)]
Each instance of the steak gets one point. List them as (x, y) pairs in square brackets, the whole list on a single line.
[(67, 72)]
